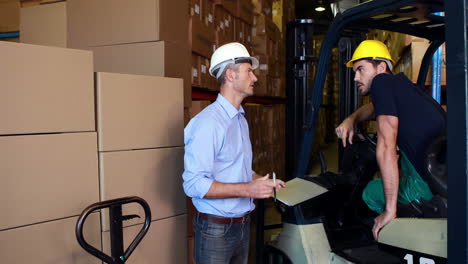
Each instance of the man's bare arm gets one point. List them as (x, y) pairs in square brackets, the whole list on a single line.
[(345, 130), (387, 132), (260, 187)]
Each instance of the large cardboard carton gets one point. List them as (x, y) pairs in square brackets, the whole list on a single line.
[(245, 11), (159, 58), (196, 80), (165, 242), (139, 112), (152, 174), (50, 242), (201, 36), (108, 22), (45, 89), (229, 5), (205, 77), (9, 15), (47, 177), (44, 24)]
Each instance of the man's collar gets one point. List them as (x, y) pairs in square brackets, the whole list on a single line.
[(228, 107)]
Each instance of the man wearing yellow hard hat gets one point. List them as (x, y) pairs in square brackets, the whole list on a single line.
[(406, 117)]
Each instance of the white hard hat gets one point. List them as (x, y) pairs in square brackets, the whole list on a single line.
[(230, 53)]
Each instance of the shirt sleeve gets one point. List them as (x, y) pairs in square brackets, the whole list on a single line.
[(201, 145), (382, 95)]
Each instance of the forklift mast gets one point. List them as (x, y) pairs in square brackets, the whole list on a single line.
[(412, 17)]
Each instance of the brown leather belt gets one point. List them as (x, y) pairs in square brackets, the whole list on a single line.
[(224, 220)]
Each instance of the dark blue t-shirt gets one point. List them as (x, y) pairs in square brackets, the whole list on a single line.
[(420, 117)]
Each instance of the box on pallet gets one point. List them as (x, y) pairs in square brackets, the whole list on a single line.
[(109, 22)]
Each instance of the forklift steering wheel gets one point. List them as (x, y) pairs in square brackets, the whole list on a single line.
[(360, 131)]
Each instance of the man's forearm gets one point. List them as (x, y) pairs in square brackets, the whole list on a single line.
[(220, 190), (364, 113), (388, 163)]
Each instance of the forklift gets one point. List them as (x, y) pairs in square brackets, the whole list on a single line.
[(335, 227)]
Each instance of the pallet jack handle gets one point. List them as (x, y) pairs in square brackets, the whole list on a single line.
[(116, 218)]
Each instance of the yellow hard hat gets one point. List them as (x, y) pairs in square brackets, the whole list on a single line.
[(373, 49)]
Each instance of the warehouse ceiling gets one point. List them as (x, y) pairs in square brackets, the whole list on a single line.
[(306, 8)]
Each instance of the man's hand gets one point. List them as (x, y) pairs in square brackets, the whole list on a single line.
[(262, 187), (345, 131), (380, 221)]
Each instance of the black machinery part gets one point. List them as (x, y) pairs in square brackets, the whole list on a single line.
[(119, 256)]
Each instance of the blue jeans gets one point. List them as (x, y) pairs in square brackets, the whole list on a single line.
[(221, 243)]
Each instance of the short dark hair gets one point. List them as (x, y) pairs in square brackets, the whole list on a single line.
[(222, 78), (376, 62)]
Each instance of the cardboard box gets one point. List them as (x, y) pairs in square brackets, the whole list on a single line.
[(265, 26), (191, 246), (108, 22), (197, 107), (196, 70), (205, 76), (44, 25), (201, 37), (229, 5), (9, 15), (165, 242), (138, 112), (195, 7), (38, 97), (50, 242), (190, 215), (47, 177), (207, 14), (160, 58), (152, 174), (245, 11)]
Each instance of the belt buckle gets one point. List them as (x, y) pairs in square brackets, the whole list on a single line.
[(244, 218)]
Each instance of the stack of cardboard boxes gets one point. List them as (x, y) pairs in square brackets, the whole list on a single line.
[(73, 137), (267, 134), (268, 45), (56, 161), (48, 149), (140, 135), (148, 37)]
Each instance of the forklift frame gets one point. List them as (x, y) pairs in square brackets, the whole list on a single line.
[(451, 28)]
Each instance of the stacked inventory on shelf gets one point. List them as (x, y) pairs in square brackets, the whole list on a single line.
[(267, 134), (212, 24)]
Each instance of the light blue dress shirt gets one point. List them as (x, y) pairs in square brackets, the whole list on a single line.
[(218, 148)]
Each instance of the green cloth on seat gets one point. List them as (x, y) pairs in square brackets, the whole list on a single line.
[(411, 188)]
